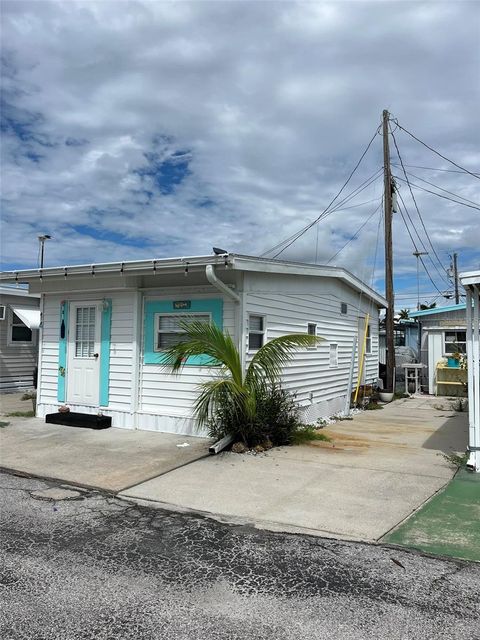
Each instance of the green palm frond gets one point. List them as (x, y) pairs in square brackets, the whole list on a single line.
[(205, 339), (214, 393), (270, 359)]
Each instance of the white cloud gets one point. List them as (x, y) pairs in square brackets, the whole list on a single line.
[(274, 102)]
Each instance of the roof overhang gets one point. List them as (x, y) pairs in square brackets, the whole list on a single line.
[(432, 312), (228, 261), (470, 278)]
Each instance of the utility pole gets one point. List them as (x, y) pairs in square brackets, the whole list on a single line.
[(455, 276), (417, 254), (389, 325), (41, 240)]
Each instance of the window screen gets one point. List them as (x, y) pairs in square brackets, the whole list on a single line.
[(85, 332), (169, 330), (334, 355), (256, 332), (455, 342)]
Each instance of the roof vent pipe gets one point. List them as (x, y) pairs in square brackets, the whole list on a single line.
[(218, 284)]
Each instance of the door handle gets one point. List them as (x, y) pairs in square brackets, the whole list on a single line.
[(95, 355)]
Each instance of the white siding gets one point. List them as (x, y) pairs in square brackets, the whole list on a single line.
[(162, 393), (288, 307), (17, 361), (120, 347)]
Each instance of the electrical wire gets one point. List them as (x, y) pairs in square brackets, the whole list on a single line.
[(417, 186), (364, 185), (442, 189), (355, 234), (332, 201), (416, 249), (416, 206), (442, 276), (434, 150), (416, 166)]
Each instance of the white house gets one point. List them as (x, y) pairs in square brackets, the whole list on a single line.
[(471, 283), (443, 332), (104, 326), (19, 322)]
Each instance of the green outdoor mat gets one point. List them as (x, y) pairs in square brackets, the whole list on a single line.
[(449, 524)]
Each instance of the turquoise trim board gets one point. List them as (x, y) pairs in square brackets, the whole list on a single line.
[(214, 306), (62, 350), (105, 351)]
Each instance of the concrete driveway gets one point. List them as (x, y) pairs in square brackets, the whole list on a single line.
[(110, 459), (378, 469)]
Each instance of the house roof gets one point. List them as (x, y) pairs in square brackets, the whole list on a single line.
[(18, 292), (431, 312), (231, 261), (470, 277)]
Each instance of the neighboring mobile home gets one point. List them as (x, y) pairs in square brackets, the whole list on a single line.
[(471, 282), (442, 333), (19, 322), (104, 327)]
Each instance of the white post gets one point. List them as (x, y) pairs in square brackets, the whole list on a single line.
[(476, 375)]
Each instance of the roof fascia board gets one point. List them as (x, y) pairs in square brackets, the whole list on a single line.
[(139, 267), (470, 277), (431, 312), (244, 263)]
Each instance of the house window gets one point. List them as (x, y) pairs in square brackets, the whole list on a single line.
[(333, 355), (169, 331), (18, 331), (368, 342), (455, 342), (312, 331), (2, 312), (344, 308), (256, 332)]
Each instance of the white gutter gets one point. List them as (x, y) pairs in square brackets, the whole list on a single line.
[(218, 284)]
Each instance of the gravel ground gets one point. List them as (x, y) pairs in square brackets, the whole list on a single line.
[(95, 567)]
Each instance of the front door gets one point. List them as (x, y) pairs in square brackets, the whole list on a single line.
[(83, 367)]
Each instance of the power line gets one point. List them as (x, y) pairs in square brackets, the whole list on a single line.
[(421, 240), (416, 166), (416, 249), (442, 189), (339, 207), (415, 203), (332, 201), (417, 186), (356, 233), (437, 152)]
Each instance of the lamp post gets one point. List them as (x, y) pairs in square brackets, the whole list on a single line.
[(41, 240)]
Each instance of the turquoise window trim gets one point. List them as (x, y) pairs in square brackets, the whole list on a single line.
[(213, 306), (62, 351), (105, 351)]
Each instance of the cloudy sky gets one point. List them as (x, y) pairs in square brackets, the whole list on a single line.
[(153, 129)]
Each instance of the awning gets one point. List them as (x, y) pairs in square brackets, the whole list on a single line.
[(30, 317)]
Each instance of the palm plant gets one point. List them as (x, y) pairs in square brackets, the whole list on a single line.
[(233, 392)]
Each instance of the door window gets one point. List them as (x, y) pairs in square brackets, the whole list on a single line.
[(85, 332)]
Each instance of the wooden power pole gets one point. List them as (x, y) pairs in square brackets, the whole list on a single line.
[(455, 276), (389, 326)]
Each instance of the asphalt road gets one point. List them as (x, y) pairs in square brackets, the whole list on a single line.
[(99, 568)]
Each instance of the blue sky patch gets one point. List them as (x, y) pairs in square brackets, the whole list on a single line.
[(110, 236), (166, 173)]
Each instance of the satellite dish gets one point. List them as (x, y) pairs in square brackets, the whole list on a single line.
[(219, 252)]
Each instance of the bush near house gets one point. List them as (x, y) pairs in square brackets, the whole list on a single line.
[(249, 405)]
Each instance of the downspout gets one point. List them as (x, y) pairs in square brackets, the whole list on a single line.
[(218, 284)]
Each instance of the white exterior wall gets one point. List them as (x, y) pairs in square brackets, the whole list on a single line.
[(17, 360), (121, 352), (166, 400), (289, 303)]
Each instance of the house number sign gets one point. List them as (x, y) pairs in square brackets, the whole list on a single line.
[(182, 304)]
